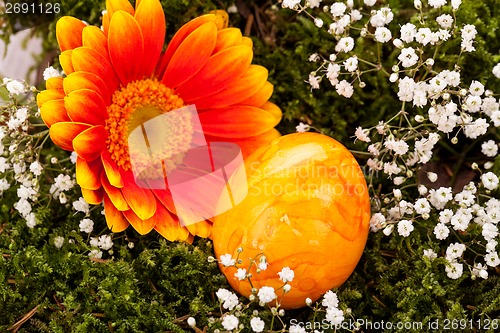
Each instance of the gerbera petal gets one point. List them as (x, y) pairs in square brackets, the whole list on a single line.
[(126, 46), (69, 32), (114, 194), (112, 172), (141, 226), (247, 41), (151, 19), (54, 112), (249, 144), (273, 109), (115, 5), (179, 37), (260, 97), (93, 197), (86, 106), (105, 23), (90, 143), (114, 218), (62, 134), (191, 56), (54, 83), (95, 38), (48, 95), (236, 91), (66, 61), (237, 121), (227, 38), (219, 70), (165, 198), (140, 200), (85, 80), (89, 60), (88, 173), (167, 224)]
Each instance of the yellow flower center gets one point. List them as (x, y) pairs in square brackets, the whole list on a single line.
[(136, 104)]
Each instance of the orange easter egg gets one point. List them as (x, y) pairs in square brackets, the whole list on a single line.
[(307, 208)]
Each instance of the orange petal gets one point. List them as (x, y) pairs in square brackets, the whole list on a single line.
[(114, 218), (105, 23), (115, 5), (66, 61), (167, 224), (114, 194), (89, 60), (111, 169), (126, 46), (90, 143), (227, 38), (237, 121), (179, 37), (54, 112), (202, 229), (86, 106), (95, 38), (93, 197), (88, 173), (221, 69), (272, 109), (141, 226), (48, 95), (86, 80), (236, 91), (250, 144), (222, 18), (69, 32), (62, 134), (247, 41), (260, 97), (54, 83), (142, 201), (183, 235), (165, 198), (150, 17), (191, 56)]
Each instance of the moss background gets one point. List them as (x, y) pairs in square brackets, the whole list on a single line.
[(156, 285)]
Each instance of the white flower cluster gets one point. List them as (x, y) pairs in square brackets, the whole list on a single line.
[(437, 106), (266, 297)]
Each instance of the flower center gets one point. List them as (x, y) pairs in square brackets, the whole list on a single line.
[(134, 105)]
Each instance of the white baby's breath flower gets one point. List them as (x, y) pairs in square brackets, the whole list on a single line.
[(50, 72), (429, 253), (241, 274), (496, 70), (334, 316), (492, 259), (362, 134), (290, 3), (489, 180), (405, 227), (344, 88), (382, 34), (441, 231), (15, 87), (454, 270), (286, 274), (330, 300), (227, 260), (257, 324), (230, 322), (81, 206), (58, 241), (86, 225), (266, 294), (489, 148), (345, 44)]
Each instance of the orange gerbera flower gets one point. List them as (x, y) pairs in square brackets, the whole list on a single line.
[(119, 76)]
